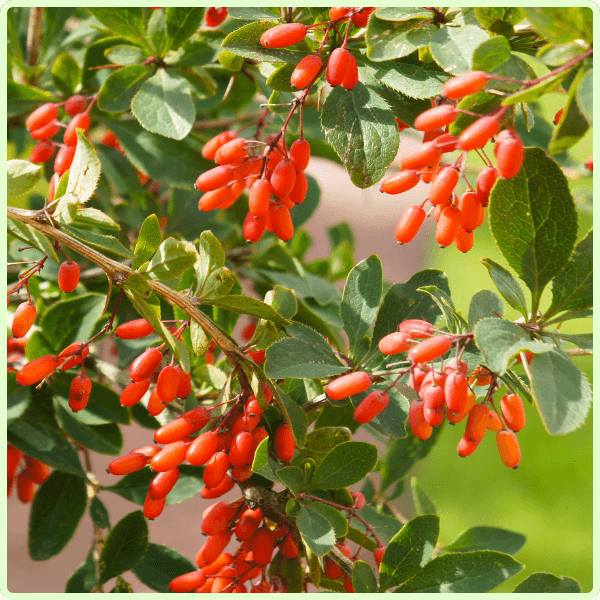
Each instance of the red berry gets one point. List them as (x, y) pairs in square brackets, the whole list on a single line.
[(134, 392), (465, 84), (189, 581), (163, 483), (73, 356), (283, 179), (42, 116), (153, 508), (170, 457), (338, 12), (284, 444), (466, 447), (417, 422), (298, 193), (68, 276), (456, 389), (75, 105), (24, 318), (477, 423), (166, 386), (262, 549), (218, 518), (590, 164), (430, 349), (25, 487), (351, 77), (223, 488), (378, 555), (127, 464), (215, 16), (448, 226), (81, 121), (36, 370), (443, 185), (509, 156), (348, 385), (300, 154), (427, 154), (254, 228), (145, 364), (409, 224), (216, 469), (417, 328), (485, 182), (231, 152), (395, 343), (202, 448), (400, 182), (478, 134), (508, 448), (248, 523), (558, 116), (337, 66), (371, 406), (494, 423), (513, 411), (64, 159), (133, 330), (306, 71), (214, 179), (174, 431), (184, 387), (283, 226), (214, 545), (260, 196), (360, 19), (42, 153), (282, 36), (81, 387), (46, 132), (241, 451), (436, 117), (289, 548), (209, 149)]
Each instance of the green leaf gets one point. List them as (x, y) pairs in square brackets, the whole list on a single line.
[(139, 285), (487, 538), (507, 285), (247, 305), (25, 98), (453, 47), (385, 526), (22, 176), (402, 13), (484, 303), (584, 96), (230, 61), (499, 340), (199, 339), (526, 214), (245, 42), (172, 259), (402, 454), (18, 397), (148, 241), (359, 537), (252, 14), (280, 78), (316, 531), (480, 103), (211, 256), (104, 439), (57, 508), (125, 55), (66, 73), (292, 478), (334, 516), (218, 284), (72, 320), (561, 392), (95, 218), (84, 173), (488, 15), (489, 55), (160, 565), (106, 243), (387, 40), (563, 24), (133, 487), (403, 301), (121, 587), (306, 358), (324, 439), (32, 237), (572, 288), (423, 504), (46, 445), (546, 583), (446, 306), (296, 418), (390, 421), (529, 94), (182, 22), (361, 299), (346, 464), (99, 513), (409, 550), (263, 464), (363, 578), (125, 545), (357, 122), (469, 572), (163, 105), (83, 579), (121, 86), (283, 300), (125, 22), (572, 125)]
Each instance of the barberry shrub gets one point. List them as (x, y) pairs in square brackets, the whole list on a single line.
[(163, 284)]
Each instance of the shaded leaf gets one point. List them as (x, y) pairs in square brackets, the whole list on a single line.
[(546, 583), (121, 86), (316, 531), (487, 538), (363, 578), (423, 504), (22, 176), (387, 40), (160, 565), (507, 285), (484, 303), (453, 47)]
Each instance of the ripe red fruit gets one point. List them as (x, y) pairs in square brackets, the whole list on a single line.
[(494, 423), (133, 330), (174, 431), (446, 143), (231, 152), (338, 12), (351, 77), (218, 517), (215, 178), (509, 156), (337, 66), (443, 185), (202, 448), (282, 224), (254, 228), (214, 17), (416, 419), (261, 587), (241, 451), (260, 196), (456, 389), (465, 84), (448, 226), (42, 116), (513, 411), (332, 571), (145, 364), (25, 487), (360, 19), (306, 71), (71, 353), (283, 179), (42, 152), (282, 36), (189, 581), (470, 211), (477, 423), (590, 164), (46, 132), (209, 149), (359, 500), (264, 543), (248, 523), (127, 464), (558, 116), (81, 121), (284, 444), (300, 154), (37, 470), (371, 406), (348, 385), (216, 469), (430, 349), (170, 457), (427, 154), (378, 555), (417, 328), (184, 386), (153, 508), (395, 343), (466, 447), (298, 193), (163, 483), (155, 406), (75, 105), (64, 159), (213, 546), (436, 117), (508, 448), (216, 199), (68, 276), (166, 386), (478, 134), (36, 370), (400, 182), (134, 392), (81, 387), (23, 319), (198, 417)]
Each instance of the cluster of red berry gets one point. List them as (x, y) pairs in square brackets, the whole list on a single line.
[(43, 125), (274, 176), (31, 472), (456, 218)]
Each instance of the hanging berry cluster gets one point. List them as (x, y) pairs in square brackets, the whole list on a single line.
[(444, 392), (457, 218), (26, 472)]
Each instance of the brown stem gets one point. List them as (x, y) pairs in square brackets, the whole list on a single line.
[(34, 36)]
